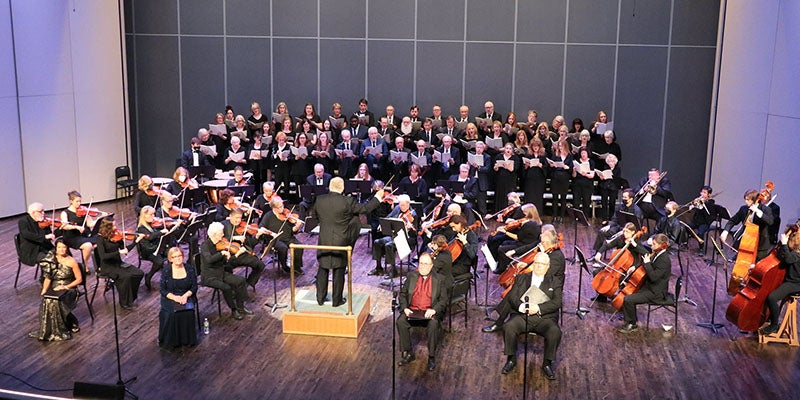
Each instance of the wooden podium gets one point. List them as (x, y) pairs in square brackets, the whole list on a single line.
[(325, 320)]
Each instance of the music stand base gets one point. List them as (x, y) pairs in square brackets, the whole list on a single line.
[(275, 306), (689, 301), (711, 325), (580, 312)]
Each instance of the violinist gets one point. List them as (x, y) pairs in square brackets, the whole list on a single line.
[(268, 193), (550, 243), (481, 173), (789, 254), (617, 242), (181, 184), (414, 179), (279, 221), (243, 232), (535, 296), (167, 216), (386, 245), (754, 212), (437, 221), (145, 195), (658, 269), (469, 240), (153, 245), (194, 157), (214, 275), (704, 215), (238, 177), (653, 193), (35, 240), (382, 211), (126, 276), (625, 213), (227, 203), (527, 234), (77, 229)]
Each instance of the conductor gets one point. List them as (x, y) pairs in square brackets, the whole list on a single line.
[(339, 225)]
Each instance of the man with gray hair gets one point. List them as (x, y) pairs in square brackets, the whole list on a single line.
[(346, 153), (214, 275), (34, 242)]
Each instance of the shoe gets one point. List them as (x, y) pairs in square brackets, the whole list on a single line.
[(340, 304), (147, 277), (405, 358), (75, 329), (491, 328), (600, 299), (431, 363), (547, 371), (391, 274), (285, 269), (628, 328), (237, 315), (246, 311), (126, 307), (375, 272), (298, 271), (770, 329), (510, 364)]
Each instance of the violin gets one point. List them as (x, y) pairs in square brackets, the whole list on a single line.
[(435, 225), (190, 183), (48, 222), (512, 226), (154, 192), (118, 235), (243, 228), (635, 280), (502, 214), (287, 215), (177, 212), (748, 246), (247, 207), (160, 223), (606, 282), (523, 265), (231, 247), (83, 211)]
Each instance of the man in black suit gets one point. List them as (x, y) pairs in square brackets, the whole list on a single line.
[(428, 134), (364, 113), (347, 165), (654, 192), (422, 298), (758, 214), (357, 131), (339, 225), (194, 157), (658, 269), (447, 165), (490, 114), (481, 172), (319, 179), (214, 275), (536, 297), (34, 242)]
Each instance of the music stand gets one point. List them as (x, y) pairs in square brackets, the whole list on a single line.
[(204, 172), (244, 192), (408, 188), (311, 192), (580, 311), (712, 324), (579, 218), (310, 224), (274, 305), (686, 299), (722, 214)]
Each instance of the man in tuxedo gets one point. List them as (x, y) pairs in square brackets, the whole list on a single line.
[(413, 113), (482, 173), (34, 242), (437, 115), (319, 179), (626, 212), (393, 120), (399, 163), (357, 131), (536, 297), (490, 114), (463, 114), (423, 298), (339, 225), (658, 269), (374, 158), (447, 166), (348, 165), (655, 192), (449, 127), (385, 131), (428, 134), (194, 157)]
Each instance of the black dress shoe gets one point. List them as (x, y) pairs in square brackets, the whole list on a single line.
[(298, 271), (375, 272), (770, 329), (510, 364), (491, 328), (285, 269), (628, 328), (339, 304), (431, 363), (391, 274), (237, 315), (547, 371), (405, 358), (246, 311), (600, 299)]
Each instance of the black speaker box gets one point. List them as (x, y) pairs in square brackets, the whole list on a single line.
[(88, 390)]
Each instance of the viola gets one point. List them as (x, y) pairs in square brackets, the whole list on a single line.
[(606, 282), (455, 246), (635, 280), (287, 215), (523, 265), (83, 211), (748, 247), (118, 235), (48, 222), (502, 214)]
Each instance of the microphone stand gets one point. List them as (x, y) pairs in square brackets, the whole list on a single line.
[(712, 324), (395, 307), (525, 357), (120, 382)]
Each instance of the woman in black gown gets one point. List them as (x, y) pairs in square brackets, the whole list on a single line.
[(560, 173), (176, 320), (126, 277), (62, 276), (506, 176), (535, 174)]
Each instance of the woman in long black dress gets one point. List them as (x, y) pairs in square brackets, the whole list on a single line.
[(583, 182), (176, 320), (126, 277), (561, 171), (535, 174), (62, 275), (77, 229), (506, 175), (608, 187)]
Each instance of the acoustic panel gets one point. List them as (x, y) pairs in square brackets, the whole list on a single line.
[(592, 21), (391, 19), (537, 84), (294, 18), (341, 73), (440, 19), (344, 18), (201, 17), (488, 76), (155, 16), (202, 97), (541, 21), (390, 76), (248, 67), (644, 22), (247, 17), (491, 20), (439, 76)]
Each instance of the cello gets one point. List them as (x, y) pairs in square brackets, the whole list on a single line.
[(747, 310), (636, 280), (606, 282), (748, 247)]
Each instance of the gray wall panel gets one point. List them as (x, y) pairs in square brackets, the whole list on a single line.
[(440, 19), (593, 21), (439, 76), (159, 104), (644, 22), (686, 141), (294, 18), (295, 72), (131, 101), (201, 17), (155, 16), (247, 17), (342, 77), (695, 22), (335, 18), (248, 73), (639, 112), (541, 21), (202, 97), (589, 85), (539, 73), (490, 20), (391, 76), (488, 76), (391, 19)]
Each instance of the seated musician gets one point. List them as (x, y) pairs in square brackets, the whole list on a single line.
[(214, 275), (704, 215), (756, 213), (194, 157), (386, 245), (169, 215), (236, 230), (238, 177), (278, 222), (438, 226), (626, 212), (442, 260), (658, 268), (618, 241), (414, 179), (469, 240), (76, 229), (34, 241), (437, 206), (145, 195), (671, 226), (507, 216), (550, 243), (262, 202), (126, 276), (180, 185), (60, 273), (512, 210), (654, 191), (528, 233), (227, 203), (422, 298), (789, 254), (154, 243), (534, 296)]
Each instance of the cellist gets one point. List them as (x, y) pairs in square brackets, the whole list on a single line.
[(658, 268), (789, 254), (463, 263), (757, 213), (617, 242)]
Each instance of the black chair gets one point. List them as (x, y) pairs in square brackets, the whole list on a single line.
[(670, 303), (19, 262), (216, 292), (85, 291), (459, 294), (125, 183), (99, 275)]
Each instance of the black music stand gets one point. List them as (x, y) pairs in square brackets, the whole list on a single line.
[(274, 305), (204, 172), (712, 324), (722, 214), (686, 299), (310, 192), (579, 218), (452, 187), (245, 192), (580, 311), (410, 189)]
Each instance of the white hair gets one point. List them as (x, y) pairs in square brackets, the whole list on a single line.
[(215, 228)]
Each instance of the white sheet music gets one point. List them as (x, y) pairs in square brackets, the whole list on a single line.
[(218, 129), (532, 162), (402, 155), (601, 128), (236, 157), (421, 161), (209, 150), (476, 159), (344, 153), (442, 157), (494, 143), (299, 151)]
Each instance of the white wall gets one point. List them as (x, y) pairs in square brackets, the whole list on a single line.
[(757, 135), (70, 129)]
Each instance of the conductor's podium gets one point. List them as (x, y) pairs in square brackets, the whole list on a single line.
[(309, 318)]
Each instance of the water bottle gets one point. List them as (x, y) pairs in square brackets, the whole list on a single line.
[(206, 326)]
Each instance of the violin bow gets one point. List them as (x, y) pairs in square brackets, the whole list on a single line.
[(53, 222), (91, 200)]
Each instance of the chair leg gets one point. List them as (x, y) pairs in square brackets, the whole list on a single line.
[(19, 267), (648, 317), (86, 298)]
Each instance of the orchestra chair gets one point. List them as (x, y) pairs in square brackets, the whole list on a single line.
[(788, 326), (99, 275), (669, 303), (459, 295), (216, 292), (124, 181), (19, 262)]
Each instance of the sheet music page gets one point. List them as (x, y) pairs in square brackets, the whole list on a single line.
[(344, 153), (494, 143), (401, 244), (421, 161), (255, 155), (218, 129), (236, 157), (209, 150), (278, 118), (477, 159), (556, 164), (255, 125), (398, 154), (299, 151), (607, 174), (468, 144), (533, 162)]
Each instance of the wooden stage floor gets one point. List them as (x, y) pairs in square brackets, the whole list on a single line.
[(252, 359)]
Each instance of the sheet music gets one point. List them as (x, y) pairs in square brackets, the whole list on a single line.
[(336, 122), (401, 244), (416, 125), (284, 155), (533, 162), (607, 174), (421, 161), (255, 155), (344, 153), (556, 164), (442, 157), (240, 134), (209, 150), (236, 157), (402, 155), (483, 123), (501, 163), (266, 140), (601, 128), (372, 150), (255, 125), (476, 159), (264, 153), (581, 167), (494, 143), (468, 144), (461, 125), (601, 156), (437, 123), (387, 138), (218, 129), (278, 118), (487, 254), (575, 148), (299, 151), (535, 296), (440, 136)]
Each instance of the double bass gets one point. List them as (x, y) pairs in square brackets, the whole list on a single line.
[(747, 310), (606, 282), (748, 247)]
